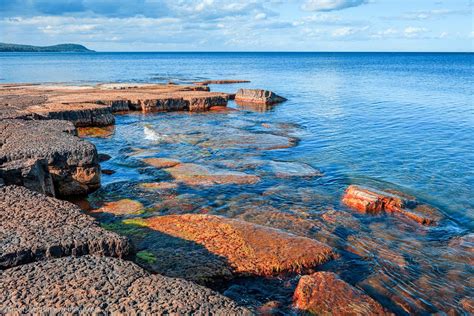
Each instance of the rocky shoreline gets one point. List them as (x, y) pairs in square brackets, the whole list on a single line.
[(56, 258)]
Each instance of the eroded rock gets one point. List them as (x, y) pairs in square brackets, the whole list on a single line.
[(257, 96), (72, 163), (101, 285), (35, 227), (324, 293), (248, 248), (373, 201)]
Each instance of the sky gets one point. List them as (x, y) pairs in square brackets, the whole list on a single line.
[(253, 25)]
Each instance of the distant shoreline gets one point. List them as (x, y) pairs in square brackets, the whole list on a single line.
[(60, 48)]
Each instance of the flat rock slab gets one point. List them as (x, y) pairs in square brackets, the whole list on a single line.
[(95, 105), (69, 162), (283, 169), (194, 174), (257, 96), (248, 248), (323, 293), (101, 285), (373, 201), (35, 227)]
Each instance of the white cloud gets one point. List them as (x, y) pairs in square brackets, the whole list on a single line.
[(348, 31), (431, 14), (331, 5), (412, 31)]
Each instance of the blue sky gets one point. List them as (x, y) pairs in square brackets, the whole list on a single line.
[(253, 25)]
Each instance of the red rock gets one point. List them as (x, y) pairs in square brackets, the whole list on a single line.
[(373, 202), (161, 162), (248, 248), (220, 108), (121, 207), (193, 174), (323, 293), (220, 81), (257, 96)]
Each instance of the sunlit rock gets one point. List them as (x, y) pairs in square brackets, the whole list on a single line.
[(373, 201), (248, 248), (257, 96), (194, 174), (324, 293), (161, 162), (121, 207)]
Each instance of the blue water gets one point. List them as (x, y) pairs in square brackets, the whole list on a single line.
[(401, 121)]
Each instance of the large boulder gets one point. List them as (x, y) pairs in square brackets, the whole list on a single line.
[(35, 227), (324, 293), (249, 249), (101, 285), (372, 201), (257, 96), (35, 152)]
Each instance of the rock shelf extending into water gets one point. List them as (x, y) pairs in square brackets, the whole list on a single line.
[(35, 227), (101, 285)]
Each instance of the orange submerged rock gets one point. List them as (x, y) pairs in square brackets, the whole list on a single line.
[(248, 248), (323, 293), (374, 201), (161, 162), (121, 207)]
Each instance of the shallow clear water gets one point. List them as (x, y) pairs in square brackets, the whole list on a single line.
[(399, 121)]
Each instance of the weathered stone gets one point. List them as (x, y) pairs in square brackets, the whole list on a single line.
[(159, 185), (81, 114), (100, 285), (374, 201), (35, 227), (31, 173), (193, 174), (283, 169), (71, 162), (121, 207), (248, 248), (257, 96), (99, 132), (161, 162), (324, 293)]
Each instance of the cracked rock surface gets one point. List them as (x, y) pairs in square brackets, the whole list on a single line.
[(91, 284), (34, 227)]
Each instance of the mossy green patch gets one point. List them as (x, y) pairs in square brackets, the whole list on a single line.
[(146, 256)]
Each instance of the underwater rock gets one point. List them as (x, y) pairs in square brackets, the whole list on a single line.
[(35, 227), (100, 285), (324, 293), (194, 174), (159, 185), (283, 169), (248, 248), (121, 207), (161, 162), (257, 96), (72, 162), (98, 132), (373, 201)]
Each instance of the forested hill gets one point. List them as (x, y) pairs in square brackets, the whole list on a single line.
[(4, 47)]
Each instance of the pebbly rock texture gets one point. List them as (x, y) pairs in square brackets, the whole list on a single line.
[(101, 285), (373, 202), (35, 227), (323, 293), (47, 157), (81, 114), (248, 248), (257, 96)]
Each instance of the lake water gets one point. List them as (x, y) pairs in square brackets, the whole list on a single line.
[(399, 121)]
